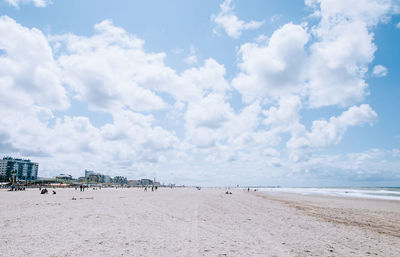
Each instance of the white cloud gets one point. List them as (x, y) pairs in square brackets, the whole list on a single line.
[(29, 72), (205, 119), (339, 61), (370, 12), (379, 71), (104, 69), (111, 69), (208, 78), (398, 25), (343, 49), (284, 118), (37, 3), (232, 25), (328, 70), (325, 133), (275, 68)]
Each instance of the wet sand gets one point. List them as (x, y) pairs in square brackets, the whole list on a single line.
[(188, 222)]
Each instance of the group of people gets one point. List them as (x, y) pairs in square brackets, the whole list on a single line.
[(248, 189), (152, 188), (45, 191), (82, 187), (16, 188)]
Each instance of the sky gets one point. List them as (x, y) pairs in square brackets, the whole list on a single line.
[(212, 93)]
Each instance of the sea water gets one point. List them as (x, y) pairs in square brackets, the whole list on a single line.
[(389, 193)]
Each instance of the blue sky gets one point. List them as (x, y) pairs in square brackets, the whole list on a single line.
[(227, 92)]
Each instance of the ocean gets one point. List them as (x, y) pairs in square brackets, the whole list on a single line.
[(388, 193)]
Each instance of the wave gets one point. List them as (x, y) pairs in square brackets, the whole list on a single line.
[(376, 193)]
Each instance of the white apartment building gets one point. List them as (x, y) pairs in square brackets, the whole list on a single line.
[(24, 169)]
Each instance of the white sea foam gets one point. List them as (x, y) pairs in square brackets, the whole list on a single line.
[(376, 193)]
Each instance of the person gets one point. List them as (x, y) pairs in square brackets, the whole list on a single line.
[(145, 188), (248, 189), (44, 191), (54, 192), (152, 188)]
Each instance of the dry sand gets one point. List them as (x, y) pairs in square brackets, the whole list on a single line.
[(188, 222)]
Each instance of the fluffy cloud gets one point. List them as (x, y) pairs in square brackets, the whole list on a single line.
[(232, 25), (275, 68), (367, 11), (37, 3), (29, 72), (325, 133), (111, 69), (379, 71), (326, 63), (103, 69), (285, 117), (343, 49), (339, 63)]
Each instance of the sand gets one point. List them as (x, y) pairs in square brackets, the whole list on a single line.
[(188, 222)]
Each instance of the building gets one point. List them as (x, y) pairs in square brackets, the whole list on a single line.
[(146, 182), (24, 169), (133, 183), (88, 173), (143, 182), (92, 176), (64, 177), (120, 180), (107, 179)]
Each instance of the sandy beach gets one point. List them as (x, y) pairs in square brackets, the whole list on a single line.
[(189, 222)]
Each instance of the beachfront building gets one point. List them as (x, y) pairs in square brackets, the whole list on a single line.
[(146, 182), (120, 180), (92, 176), (64, 177), (133, 183), (88, 173), (24, 169)]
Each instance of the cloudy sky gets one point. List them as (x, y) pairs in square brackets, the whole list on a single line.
[(230, 92)]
